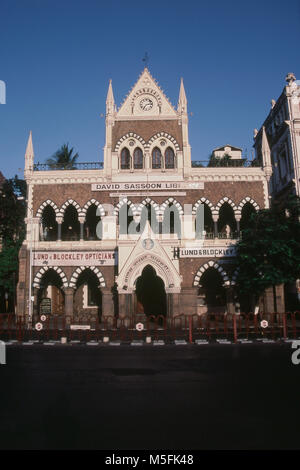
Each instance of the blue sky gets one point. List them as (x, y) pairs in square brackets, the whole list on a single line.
[(56, 58)]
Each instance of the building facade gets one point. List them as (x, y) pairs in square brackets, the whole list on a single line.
[(277, 149), (184, 219), (277, 142)]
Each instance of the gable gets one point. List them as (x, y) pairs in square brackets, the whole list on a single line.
[(146, 100)]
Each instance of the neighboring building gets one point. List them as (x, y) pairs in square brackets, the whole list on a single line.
[(233, 152), (277, 143), (146, 180)]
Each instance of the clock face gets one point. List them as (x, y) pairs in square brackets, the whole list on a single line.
[(146, 104)]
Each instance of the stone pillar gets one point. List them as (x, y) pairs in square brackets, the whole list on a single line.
[(215, 218), (188, 301), (122, 305), (107, 302), (69, 303), (35, 309), (238, 218), (59, 220), (81, 221)]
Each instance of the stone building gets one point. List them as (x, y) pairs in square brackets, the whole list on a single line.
[(277, 149), (77, 251)]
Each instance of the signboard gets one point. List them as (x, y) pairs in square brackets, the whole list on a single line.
[(38, 326), (147, 186), (80, 327), (216, 251), (73, 258), (43, 318), (45, 306)]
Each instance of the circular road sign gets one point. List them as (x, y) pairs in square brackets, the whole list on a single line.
[(139, 326), (43, 318), (38, 326), (264, 324)]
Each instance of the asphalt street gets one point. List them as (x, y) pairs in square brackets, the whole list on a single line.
[(150, 397)]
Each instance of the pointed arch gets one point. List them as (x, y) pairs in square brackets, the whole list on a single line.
[(203, 200), (39, 275), (71, 202), (251, 201), (50, 203), (125, 201), (169, 201), (80, 269), (229, 201), (145, 202), (211, 264), (164, 135), (95, 203), (128, 136)]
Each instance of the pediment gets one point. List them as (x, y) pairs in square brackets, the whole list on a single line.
[(146, 100)]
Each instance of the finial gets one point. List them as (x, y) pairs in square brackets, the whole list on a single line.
[(290, 78)]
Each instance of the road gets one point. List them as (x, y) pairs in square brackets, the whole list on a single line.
[(150, 397)]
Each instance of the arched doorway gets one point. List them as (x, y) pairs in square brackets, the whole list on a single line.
[(51, 288), (88, 296), (212, 291), (150, 293)]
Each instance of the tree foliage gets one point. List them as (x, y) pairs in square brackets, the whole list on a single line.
[(12, 230), (63, 159), (269, 252)]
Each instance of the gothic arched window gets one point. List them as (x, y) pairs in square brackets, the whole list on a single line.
[(169, 158), (125, 159), (156, 158), (137, 159)]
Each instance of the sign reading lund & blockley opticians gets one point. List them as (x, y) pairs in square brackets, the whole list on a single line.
[(73, 258)]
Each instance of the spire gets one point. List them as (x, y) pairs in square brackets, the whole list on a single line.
[(29, 154), (110, 101), (182, 101), (266, 153)]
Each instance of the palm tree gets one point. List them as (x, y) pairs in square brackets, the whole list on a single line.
[(63, 159)]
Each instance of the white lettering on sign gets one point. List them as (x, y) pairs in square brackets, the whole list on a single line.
[(216, 251), (69, 258), (143, 186)]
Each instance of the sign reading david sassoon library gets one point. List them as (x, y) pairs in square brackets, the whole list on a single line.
[(142, 186), (73, 258), (216, 251)]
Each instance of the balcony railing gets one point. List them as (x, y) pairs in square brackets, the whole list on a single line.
[(236, 163), (74, 166)]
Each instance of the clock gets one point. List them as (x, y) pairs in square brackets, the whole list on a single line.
[(146, 104)]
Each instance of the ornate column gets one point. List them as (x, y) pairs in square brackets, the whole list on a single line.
[(81, 221), (59, 220), (215, 218), (238, 219)]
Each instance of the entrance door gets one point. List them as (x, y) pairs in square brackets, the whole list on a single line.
[(151, 294)]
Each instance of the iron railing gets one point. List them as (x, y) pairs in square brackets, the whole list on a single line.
[(236, 163), (195, 328), (75, 166)]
